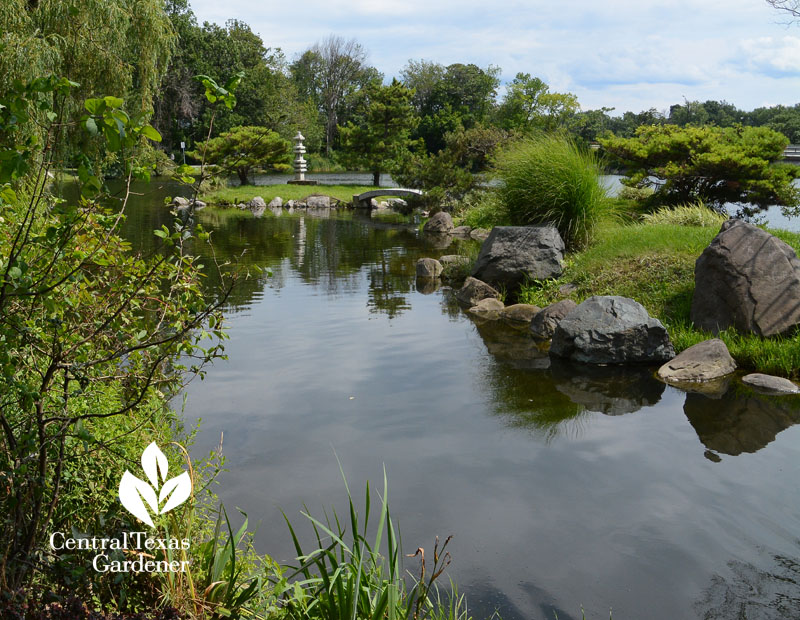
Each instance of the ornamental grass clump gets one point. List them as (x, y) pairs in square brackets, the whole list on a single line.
[(548, 179), (695, 214)]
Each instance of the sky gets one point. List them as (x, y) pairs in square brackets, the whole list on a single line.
[(623, 54)]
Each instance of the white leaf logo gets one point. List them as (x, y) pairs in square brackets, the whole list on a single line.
[(142, 499)]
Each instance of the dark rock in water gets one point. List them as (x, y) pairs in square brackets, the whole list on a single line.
[(611, 390), (473, 291), (462, 231), (440, 223), (702, 362), (737, 423), (437, 241), (427, 286), (512, 348), (544, 324), (770, 385), (747, 279), (512, 253), (428, 268), (519, 314), (611, 330)]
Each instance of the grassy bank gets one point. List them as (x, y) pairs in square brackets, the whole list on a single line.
[(654, 264), (229, 196)]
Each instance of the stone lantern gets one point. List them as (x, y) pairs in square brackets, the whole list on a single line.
[(300, 164)]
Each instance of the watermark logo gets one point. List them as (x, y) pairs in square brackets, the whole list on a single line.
[(160, 496)]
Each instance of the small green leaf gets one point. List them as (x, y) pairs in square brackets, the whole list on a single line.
[(160, 233)]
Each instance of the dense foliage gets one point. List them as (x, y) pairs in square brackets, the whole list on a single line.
[(717, 165), (89, 330)]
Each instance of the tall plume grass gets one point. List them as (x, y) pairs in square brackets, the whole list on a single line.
[(549, 179)]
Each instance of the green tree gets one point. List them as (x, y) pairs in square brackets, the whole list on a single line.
[(328, 74), (381, 138), (243, 149), (450, 97), (118, 46), (714, 164), (529, 104)]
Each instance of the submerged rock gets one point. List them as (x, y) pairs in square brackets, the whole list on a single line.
[(513, 253), (770, 384), (544, 324), (474, 290), (748, 279), (702, 362), (736, 423), (611, 330)]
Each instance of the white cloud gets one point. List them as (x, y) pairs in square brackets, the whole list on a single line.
[(621, 53)]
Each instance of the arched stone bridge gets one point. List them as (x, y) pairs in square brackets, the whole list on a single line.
[(364, 199)]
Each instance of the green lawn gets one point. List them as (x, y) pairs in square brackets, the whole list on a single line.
[(654, 264)]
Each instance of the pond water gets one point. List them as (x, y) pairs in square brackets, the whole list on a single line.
[(563, 486)]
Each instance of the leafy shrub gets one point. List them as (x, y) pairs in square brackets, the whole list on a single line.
[(482, 209), (550, 179), (637, 194), (696, 214)]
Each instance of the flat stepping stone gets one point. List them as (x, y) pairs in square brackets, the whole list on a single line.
[(705, 361), (771, 384)]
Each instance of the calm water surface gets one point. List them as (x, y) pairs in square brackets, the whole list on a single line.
[(563, 486)]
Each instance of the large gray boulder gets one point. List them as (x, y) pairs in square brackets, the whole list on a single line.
[(747, 279), (475, 290), (440, 223), (275, 202), (544, 324), (611, 330), (512, 253), (705, 361)]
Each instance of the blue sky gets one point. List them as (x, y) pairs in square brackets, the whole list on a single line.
[(626, 54)]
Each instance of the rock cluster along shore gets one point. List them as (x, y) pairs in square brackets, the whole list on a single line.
[(746, 279), (257, 206)]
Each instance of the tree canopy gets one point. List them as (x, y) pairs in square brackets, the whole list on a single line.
[(243, 149), (717, 165), (382, 136)]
